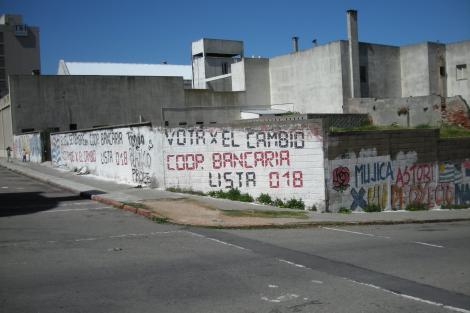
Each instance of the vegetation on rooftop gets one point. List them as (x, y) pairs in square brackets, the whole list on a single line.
[(445, 131)]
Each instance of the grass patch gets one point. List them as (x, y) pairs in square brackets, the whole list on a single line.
[(372, 208), (264, 213), (445, 131), (136, 205), (344, 210), (452, 131), (455, 206), (231, 194), (417, 207), (159, 220), (186, 190)]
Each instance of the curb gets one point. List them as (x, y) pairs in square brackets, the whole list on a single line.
[(92, 195)]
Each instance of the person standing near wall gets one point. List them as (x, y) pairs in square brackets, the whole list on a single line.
[(24, 155), (8, 154)]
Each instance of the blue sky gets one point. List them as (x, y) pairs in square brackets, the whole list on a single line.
[(152, 31)]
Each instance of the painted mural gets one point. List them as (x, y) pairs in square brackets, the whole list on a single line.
[(28, 147), (358, 182)]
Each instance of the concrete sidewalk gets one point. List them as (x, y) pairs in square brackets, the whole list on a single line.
[(184, 209)]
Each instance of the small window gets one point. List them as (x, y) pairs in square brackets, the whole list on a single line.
[(199, 123), (182, 123), (442, 71), (73, 127), (363, 74), (167, 123), (224, 68), (27, 130), (461, 70)]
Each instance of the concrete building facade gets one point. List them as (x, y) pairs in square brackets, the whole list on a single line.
[(324, 78), (19, 49)]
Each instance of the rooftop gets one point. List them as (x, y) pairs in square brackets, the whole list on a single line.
[(124, 69)]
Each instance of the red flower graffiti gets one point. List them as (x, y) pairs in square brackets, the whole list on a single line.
[(340, 178)]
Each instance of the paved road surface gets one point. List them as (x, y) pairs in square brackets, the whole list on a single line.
[(61, 253)]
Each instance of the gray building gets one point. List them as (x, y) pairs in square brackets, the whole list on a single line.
[(323, 79), (19, 49)]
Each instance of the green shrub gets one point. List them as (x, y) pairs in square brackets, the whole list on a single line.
[(344, 210), (313, 208), (297, 204), (455, 206), (231, 194), (264, 198), (279, 203), (417, 207), (372, 208), (244, 197)]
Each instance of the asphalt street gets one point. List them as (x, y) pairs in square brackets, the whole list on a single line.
[(62, 253)]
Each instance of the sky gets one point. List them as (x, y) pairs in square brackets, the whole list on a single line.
[(141, 31)]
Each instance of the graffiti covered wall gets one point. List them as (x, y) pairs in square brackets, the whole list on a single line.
[(127, 154), (28, 146), (283, 160), (356, 180)]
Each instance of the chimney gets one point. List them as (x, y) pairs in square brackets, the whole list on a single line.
[(354, 78), (295, 44)]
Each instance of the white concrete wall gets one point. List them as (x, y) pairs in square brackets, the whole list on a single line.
[(458, 53), (252, 76), (129, 154), (414, 64), (283, 160), (311, 79), (28, 145)]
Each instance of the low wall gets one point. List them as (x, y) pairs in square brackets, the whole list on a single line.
[(413, 111), (393, 169), (28, 145), (283, 159), (130, 154)]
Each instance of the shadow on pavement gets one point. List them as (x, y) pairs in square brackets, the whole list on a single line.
[(21, 203)]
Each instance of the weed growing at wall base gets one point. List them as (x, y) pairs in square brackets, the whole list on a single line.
[(372, 208), (231, 194), (264, 198), (344, 210), (455, 206), (417, 207), (186, 190), (292, 203)]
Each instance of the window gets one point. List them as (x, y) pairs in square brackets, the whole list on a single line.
[(363, 74), (167, 123), (461, 70), (224, 68), (199, 123), (73, 127), (27, 130), (182, 123), (442, 71)]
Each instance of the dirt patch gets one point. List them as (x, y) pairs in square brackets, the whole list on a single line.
[(191, 212)]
